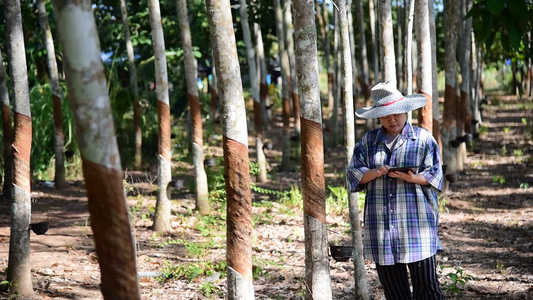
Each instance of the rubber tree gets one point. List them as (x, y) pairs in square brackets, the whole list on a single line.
[(318, 281), (400, 28), (254, 79), (464, 47), (435, 94), (163, 205), (7, 136), (449, 125), (19, 266), (361, 283), (235, 145), (91, 109), (374, 35), (293, 79), (285, 88), (191, 73), (264, 95), (408, 51), (365, 78), (132, 71), (57, 97), (386, 41), (424, 85), (323, 24)]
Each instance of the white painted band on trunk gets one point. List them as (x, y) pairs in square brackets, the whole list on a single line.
[(239, 288)]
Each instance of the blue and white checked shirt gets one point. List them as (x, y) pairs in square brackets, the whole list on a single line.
[(401, 218)]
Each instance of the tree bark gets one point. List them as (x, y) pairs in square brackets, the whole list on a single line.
[(286, 109), (57, 97), (361, 284), (19, 266), (95, 133), (133, 85), (425, 114), (317, 277), (387, 41), (235, 144), (365, 85), (191, 70), (263, 87), (408, 53), (435, 94), (449, 125), (162, 209), (254, 79), (7, 129), (293, 79), (375, 55)]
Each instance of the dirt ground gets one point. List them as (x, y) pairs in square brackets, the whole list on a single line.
[(486, 229)]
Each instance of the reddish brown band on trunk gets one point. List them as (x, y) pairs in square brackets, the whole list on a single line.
[(196, 119), (213, 104), (112, 233), (437, 135), (296, 108), (263, 92), (425, 113), (258, 122), (286, 111), (163, 111), (313, 183), (21, 151), (58, 116), (449, 107), (239, 218), (464, 119)]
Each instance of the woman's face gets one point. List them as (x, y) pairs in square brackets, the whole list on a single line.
[(393, 124)]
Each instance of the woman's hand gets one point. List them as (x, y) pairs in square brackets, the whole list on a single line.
[(374, 173), (410, 177)]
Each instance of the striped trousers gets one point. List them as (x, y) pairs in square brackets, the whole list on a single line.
[(395, 280)]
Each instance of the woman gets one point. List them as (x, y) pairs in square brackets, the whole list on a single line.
[(401, 208)]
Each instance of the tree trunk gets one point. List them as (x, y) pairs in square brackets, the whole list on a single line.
[(375, 55), (7, 130), (400, 25), (387, 41), (317, 277), (351, 32), (254, 79), (91, 109), (289, 32), (285, 77), (408, 53), (191, 70), (361, 284), (162, 209), (235, 144), (327, 51), (449, 126), (19, 266), (337, 87), (435, 94), (213, 104), (57, 97), (133, 85), (464, 49), (263, 86), (365, 85), (425, 85)]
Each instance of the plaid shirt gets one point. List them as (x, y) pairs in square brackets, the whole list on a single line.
[(401, 218)]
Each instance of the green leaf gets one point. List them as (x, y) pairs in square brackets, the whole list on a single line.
[(495, 6), (515, 34)]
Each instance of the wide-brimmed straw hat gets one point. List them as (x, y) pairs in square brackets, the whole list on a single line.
[(388, 100)]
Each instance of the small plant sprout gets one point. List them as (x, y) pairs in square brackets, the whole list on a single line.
[(498, 179)]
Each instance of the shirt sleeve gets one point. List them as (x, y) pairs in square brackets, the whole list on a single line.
[(433, 170), (357, 167)]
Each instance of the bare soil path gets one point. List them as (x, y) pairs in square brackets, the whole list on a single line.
[(486, 229)]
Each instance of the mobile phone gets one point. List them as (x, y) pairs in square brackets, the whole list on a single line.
[(404, 169)]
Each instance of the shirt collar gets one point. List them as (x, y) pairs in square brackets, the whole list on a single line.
[(407, 133)]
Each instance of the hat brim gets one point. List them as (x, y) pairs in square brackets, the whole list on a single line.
[(409, 103)]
